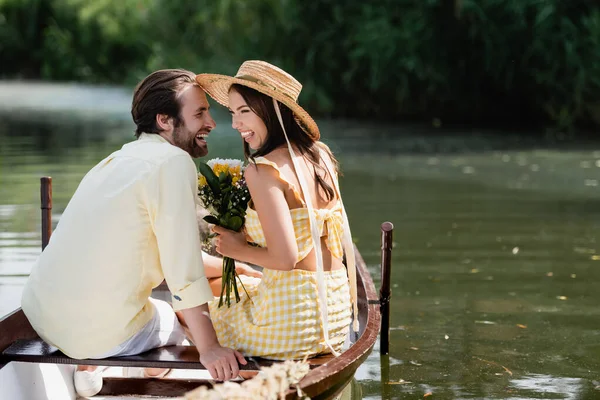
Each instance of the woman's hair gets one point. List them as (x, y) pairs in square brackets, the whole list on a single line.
[(159, 93), (262, 105)]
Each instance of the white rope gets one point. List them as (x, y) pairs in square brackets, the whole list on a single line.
[(316, 236)]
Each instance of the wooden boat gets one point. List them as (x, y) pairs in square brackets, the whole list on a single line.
[(31, 370)]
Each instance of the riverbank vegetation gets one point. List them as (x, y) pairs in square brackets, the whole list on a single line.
[(463, 61)]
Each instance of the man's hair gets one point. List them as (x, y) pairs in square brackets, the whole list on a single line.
[(157, 94)]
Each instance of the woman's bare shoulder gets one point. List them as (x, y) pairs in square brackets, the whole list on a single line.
[(280, 156)]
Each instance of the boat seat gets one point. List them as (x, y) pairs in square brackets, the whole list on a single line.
[(182, 357)]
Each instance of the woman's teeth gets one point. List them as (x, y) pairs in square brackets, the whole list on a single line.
[(246, 134)]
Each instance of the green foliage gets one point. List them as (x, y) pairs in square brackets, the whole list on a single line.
[(22, 24), (95, 40), (461, 60), (542, 55), (85, 40)]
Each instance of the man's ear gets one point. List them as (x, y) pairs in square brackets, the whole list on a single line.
[(164, 122)]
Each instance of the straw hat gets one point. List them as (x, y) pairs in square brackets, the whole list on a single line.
[(267, 79)]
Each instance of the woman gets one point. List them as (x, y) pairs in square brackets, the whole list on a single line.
[(302, 306)]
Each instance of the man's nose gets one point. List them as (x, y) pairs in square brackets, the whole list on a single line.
[(211, 122)]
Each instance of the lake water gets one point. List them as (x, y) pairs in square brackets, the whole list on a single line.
[(496, 263)]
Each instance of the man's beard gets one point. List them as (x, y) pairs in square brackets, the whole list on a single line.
[(186, 140)]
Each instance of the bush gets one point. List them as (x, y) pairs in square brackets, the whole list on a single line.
[(458, 60), (82, 40)]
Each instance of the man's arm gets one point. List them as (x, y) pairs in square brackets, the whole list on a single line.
[(172, 210)]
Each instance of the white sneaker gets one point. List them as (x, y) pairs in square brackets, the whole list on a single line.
[(88, 383)]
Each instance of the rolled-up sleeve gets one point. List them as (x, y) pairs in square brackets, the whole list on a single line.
[(177, 235)]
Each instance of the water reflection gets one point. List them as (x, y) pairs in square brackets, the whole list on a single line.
[(566, 388), (496, 260)]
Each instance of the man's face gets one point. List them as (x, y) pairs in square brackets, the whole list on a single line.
[(196, 122)]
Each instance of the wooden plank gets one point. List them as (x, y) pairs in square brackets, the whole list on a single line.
[(149, 387), (182, 357)]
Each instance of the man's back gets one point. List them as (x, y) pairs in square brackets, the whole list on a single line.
[(89, 289)]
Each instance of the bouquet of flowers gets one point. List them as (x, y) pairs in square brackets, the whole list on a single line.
[(224, 194)]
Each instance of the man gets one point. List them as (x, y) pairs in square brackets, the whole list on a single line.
[(130, 224)]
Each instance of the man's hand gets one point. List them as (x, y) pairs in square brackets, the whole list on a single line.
[(245, 269), (222, 362)]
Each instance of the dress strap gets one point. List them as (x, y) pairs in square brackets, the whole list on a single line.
[(264, 161)]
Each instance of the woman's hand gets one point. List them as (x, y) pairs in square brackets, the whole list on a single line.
[(229, 243), (245, 269)]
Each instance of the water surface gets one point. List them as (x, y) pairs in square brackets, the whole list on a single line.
[(496, 262)]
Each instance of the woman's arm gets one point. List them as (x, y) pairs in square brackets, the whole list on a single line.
[(273, 211), (213, 266)]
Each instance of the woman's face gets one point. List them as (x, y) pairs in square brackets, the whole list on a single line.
[(246, 122)]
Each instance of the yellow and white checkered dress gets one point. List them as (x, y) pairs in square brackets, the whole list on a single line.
[(280, 318)]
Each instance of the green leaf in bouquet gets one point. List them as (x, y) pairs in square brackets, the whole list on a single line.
[(210, 176), (223, 177), (211, 219), (235, 223), (224, 222)]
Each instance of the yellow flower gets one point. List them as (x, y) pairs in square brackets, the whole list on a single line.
[(235, 170), (220, 168), (201, 180)]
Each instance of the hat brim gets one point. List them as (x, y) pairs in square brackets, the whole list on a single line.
[(217, 86)]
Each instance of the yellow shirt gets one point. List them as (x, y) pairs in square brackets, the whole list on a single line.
[(131, 222)]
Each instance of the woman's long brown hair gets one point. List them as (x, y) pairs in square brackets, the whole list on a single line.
[(262, 105)]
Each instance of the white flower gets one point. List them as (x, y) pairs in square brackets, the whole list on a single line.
[(231, 162)]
